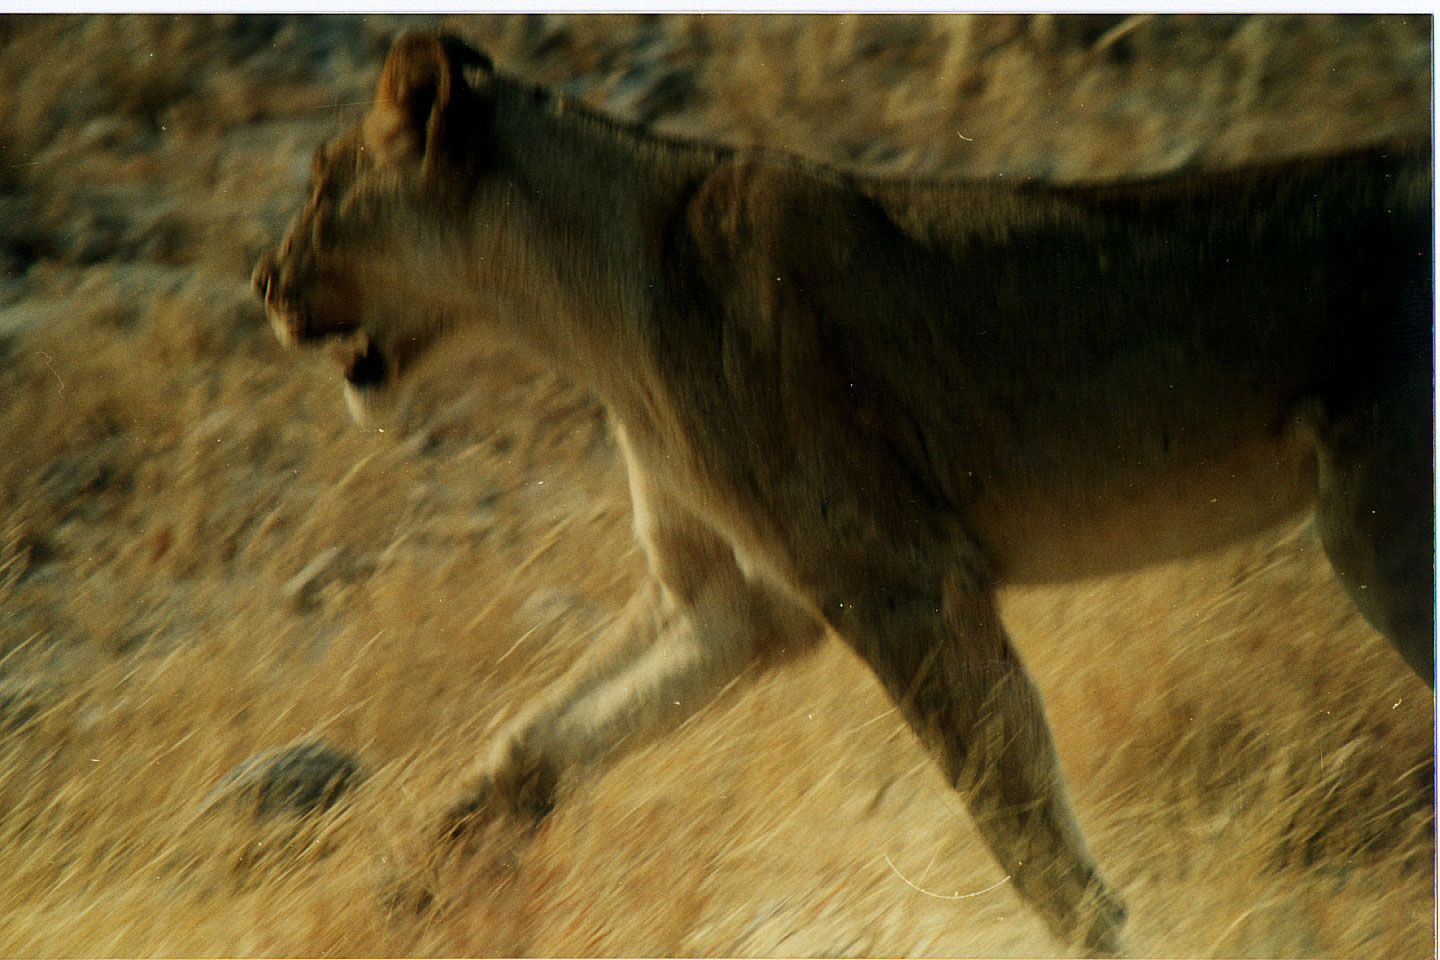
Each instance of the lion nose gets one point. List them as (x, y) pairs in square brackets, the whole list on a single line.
[(263, 276)]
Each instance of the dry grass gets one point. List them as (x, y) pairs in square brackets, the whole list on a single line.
[(199, 557)]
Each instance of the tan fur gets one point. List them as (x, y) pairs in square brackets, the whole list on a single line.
[(859, 406)]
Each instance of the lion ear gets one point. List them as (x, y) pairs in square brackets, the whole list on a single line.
[(422, 89)]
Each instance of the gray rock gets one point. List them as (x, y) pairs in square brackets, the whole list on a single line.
[(302, 779)]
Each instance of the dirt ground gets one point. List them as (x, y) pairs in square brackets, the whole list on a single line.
[(200, 556)]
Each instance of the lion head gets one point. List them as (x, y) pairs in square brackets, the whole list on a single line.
[(364, 264)]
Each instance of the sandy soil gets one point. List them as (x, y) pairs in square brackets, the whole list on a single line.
[(200, 557)]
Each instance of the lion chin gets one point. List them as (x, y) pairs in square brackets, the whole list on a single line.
[(365, 406), (369, 382)]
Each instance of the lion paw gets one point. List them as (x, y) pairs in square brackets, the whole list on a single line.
[(1103, 937), (465, 815)]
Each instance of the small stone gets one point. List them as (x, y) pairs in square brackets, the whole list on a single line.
[(306, 778)]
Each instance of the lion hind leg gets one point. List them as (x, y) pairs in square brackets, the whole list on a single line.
[(949, 665), (1376, 513)]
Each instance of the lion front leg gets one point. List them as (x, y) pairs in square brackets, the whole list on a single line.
[(697, 626), (943, 656), (659, 672)]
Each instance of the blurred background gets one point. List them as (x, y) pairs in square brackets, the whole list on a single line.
[(200, 557)]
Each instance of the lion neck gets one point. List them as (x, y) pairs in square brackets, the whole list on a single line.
[(586, 209)]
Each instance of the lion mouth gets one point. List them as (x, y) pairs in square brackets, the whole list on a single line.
[(367, 368)]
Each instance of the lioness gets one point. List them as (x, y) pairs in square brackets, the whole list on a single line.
[(859, 405)]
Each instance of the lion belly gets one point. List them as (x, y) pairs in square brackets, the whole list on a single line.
[(1086, 523)]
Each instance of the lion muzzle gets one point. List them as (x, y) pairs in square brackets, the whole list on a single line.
[(287, 321)]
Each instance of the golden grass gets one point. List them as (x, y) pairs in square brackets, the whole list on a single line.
[(199, 558)]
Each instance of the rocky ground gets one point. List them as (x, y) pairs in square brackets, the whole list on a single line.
[(202, 561)]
